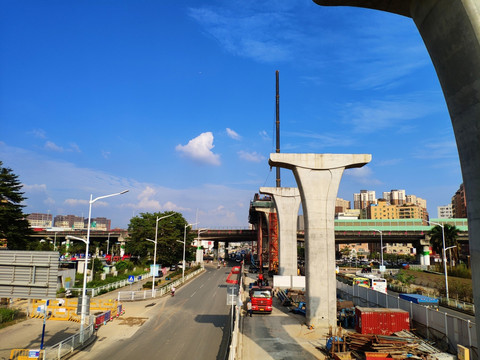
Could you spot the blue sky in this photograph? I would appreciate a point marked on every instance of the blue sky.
(175, 101)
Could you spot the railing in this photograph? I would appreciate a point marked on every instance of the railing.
(148, 294)
(113, 286)
(68, 345)
(433, 323)
(234, 328)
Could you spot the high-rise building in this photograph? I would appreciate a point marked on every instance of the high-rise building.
(341, 205)
(39, 220)
(445, 212)
(69, 221)
(364, 199)
(459, 204)
(99, 223)
(395, 197)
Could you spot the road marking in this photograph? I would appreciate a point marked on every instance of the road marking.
(193, 293)
(202, 285)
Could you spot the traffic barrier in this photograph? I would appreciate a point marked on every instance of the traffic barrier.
(66, 309)
(23, 354)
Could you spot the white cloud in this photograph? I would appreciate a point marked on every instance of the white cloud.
(105, 154)
(39, 133)
(75, 202)
(233, 134)
(252, 157)
(34, 187)
(200, 149)
(74, 147)
(363, 175)
(264, 135)
(49, 145)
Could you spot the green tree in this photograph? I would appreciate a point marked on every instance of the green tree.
(171, 229)
(451, 236)
(14, 227)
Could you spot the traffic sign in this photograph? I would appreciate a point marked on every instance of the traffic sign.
(131, 278)
(139, 277)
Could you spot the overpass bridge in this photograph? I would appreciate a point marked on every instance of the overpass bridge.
(346, 231)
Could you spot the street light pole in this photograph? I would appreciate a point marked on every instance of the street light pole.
(155, 251)
(381, 245)
(84, 295)
(444, 256)
(108, 242)
(184, 242)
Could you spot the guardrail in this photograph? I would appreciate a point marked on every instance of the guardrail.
(235, 320)
(68, 346)
(148, 294)
(453, 330)
(113, 286)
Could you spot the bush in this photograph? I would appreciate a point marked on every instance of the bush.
(7, 315)
(460, 271)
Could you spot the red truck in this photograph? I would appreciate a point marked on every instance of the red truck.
(261, 297)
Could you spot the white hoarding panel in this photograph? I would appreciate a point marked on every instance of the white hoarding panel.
(28, 274)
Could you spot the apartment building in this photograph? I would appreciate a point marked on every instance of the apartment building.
(381, 210)
(39, 220)
(395, 197)
(445, 212)
(363, 199)
(69, 221)
(341, 205)
(459, 203)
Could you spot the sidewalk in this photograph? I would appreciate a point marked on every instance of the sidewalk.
(279, 335)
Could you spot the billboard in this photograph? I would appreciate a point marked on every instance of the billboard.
(28, 274)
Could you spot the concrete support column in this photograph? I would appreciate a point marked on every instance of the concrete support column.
(318, 177)
(451, 32)
(287, 202)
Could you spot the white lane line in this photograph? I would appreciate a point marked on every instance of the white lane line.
(193, 293)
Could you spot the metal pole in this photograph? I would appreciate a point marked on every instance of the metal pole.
(381, 245)
(445, 262)
(108, 242)
(155, 258)
(184, 241)
(277, 122)
(84, 297)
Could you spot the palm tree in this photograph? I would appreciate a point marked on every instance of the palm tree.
(451, 235)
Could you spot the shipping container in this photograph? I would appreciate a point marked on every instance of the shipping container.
(380, 321)
(420, 299)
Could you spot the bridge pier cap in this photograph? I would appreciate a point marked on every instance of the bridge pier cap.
(319, 161)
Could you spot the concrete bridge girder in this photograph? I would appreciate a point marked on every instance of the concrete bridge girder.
(287, 203)
(450, 30)
(318, 177)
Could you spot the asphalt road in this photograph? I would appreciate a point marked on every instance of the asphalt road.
(189, 325)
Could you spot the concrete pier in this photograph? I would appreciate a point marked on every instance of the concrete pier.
(451, 32)
(318, 177)
(287, 202)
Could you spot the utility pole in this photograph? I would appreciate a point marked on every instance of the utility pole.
(277, 123)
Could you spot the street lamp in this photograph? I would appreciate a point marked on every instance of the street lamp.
(108, 242)
(84, 296)
(444, 255)
(381, 247)
(154, 267)
(155, 252)
(184, 242)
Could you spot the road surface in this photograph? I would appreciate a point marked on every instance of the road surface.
(188, 326)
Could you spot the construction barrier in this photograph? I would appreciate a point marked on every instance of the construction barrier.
(66, 309)
(24, 354)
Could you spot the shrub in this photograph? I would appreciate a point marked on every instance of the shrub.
(7, 315)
